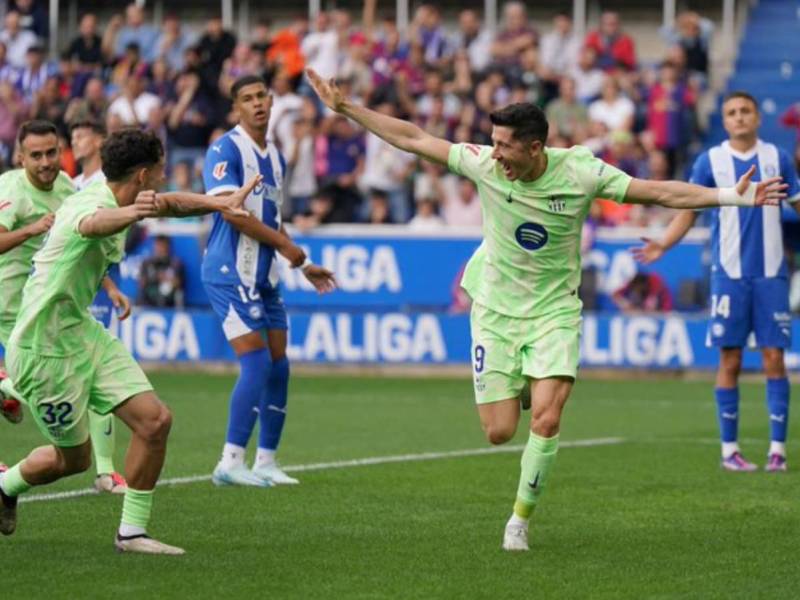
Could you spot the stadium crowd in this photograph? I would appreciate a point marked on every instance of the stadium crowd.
(176, 82)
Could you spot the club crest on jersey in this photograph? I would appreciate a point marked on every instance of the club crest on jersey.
(557, 204)
(220, 169)
(770, 171)
(531, 236)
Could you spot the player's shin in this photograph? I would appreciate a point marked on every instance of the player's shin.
(538, 459)
(728, 416)
(778, 408)
(272, 411)
(254, 366)
(101, 431)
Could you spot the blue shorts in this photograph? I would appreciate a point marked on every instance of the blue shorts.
(757, 306)
(244, 310)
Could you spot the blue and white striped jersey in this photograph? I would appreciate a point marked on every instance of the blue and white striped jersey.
(746, 242)
(232, 257)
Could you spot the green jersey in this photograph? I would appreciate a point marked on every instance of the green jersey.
(20, 205)
(529, 263)
(67, 272)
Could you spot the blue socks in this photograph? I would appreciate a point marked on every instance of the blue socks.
(272, 406)
(728, 413)
(255, 369)
(778, 408)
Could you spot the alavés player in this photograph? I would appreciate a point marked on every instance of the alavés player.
(64, 362)
(240, 275)
(749, 278)
(523, 279)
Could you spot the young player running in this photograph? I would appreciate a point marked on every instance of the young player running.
(523, 279)
(64, 362)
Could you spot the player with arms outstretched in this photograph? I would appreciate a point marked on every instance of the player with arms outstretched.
(749, 278)
(523, 279)
(240, 275)
(64, 362)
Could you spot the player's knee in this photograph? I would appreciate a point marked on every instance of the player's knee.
(156, 429)
(547, 425)
(498, 434)
(731, 364)
(774, 365)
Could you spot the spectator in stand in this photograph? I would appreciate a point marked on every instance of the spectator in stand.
(791, 118)
(134, 31)
(13, 112)
(284, 52)
(427, 31)
(388, 169)
(36, 72)
(17, 40)
(129, 64)
(261, 37)
(426, 218)
(92, 106)
(342, 150)
(692, 33)
(172, 43)
(49, 105)
(462, 208)
(321, 47)
(516, 36)
(183, 179)
(435, 90)
(613, 109)
(473, 40)
(559, 50)
(588, 78)
(86, 48)
(320, 211)
(161, 277)
(567, 116)
(286, 105)
(215, 46)
(32, 16)
(8, 72)
(614, 48)
(670, 114)
(301, 182)
(646, 292)
(378, 209)
(134, 106)
(188, 122)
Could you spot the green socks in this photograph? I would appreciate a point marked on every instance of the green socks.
(101, 430)
(136, 511)
(537, 462)
(12, 482)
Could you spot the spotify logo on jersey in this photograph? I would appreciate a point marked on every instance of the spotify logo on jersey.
(531, 236)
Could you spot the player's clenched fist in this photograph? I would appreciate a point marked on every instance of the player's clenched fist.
(146, 204)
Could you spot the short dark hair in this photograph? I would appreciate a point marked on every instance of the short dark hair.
(96, 126)
(35, 127)
(740, 94)
(129, 149)
(246, 80)
(525, 118)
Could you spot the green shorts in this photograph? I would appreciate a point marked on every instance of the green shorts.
(60, 390)
(506, 351)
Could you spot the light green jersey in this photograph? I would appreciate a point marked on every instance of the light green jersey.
(67, 272)
(529, 264)
(20, 205)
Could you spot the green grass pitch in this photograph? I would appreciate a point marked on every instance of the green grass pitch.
(652, 516)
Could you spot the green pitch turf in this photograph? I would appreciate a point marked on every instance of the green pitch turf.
(649, 517)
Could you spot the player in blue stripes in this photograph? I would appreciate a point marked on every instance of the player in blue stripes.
(749, 278)
(240, 275)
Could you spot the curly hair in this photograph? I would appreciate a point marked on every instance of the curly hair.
(127, 150)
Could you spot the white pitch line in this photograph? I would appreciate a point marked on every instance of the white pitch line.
(346, 464)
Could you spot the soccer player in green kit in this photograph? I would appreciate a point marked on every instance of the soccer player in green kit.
(524, 277)
(63, 361)
(29, 197)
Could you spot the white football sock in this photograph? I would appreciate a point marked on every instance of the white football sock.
(232, 456)
(264, 457)
(728, 448)
(517, 520)
(777, 448)
(126, 530)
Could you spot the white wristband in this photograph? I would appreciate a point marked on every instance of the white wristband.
(728, 196)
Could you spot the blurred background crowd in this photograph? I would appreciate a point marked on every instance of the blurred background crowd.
(445, 76)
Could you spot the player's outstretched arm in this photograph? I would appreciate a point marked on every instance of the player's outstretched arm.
(186, 204)
(677, 194)
(108, 221)
(11, 239)
(678, 227)
(398, 133)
